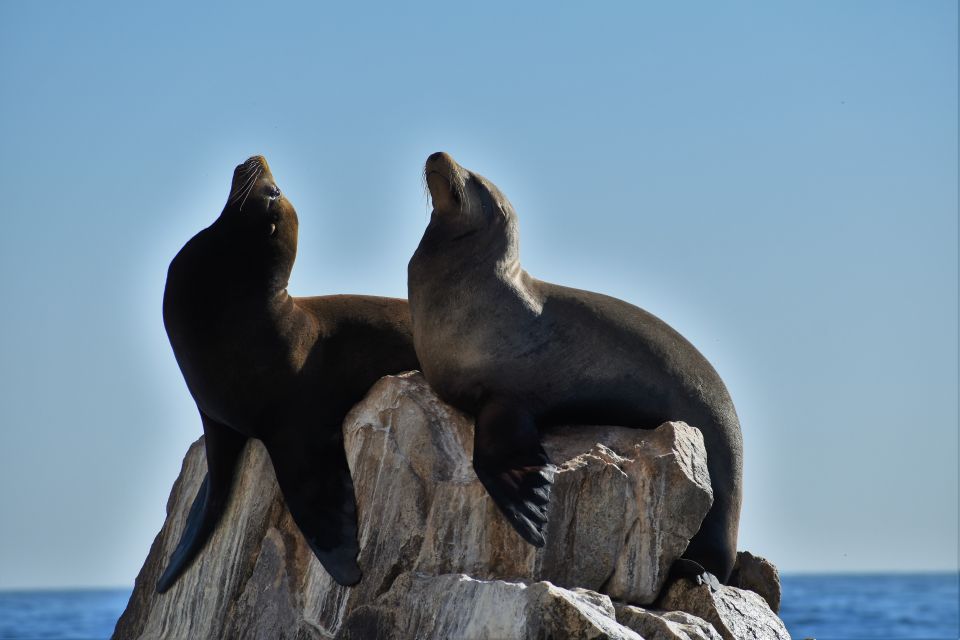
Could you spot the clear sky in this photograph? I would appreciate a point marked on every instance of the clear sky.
(777, 181)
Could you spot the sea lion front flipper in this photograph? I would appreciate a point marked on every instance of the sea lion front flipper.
(312, 471)
(511, 463)
(223, 448)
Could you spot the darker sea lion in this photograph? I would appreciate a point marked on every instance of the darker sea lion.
(520, 354)
(262, 364)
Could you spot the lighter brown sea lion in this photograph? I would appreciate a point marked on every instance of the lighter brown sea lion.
(520, 354)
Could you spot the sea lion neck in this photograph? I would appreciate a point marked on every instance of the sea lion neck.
(227, 266)
(262, 268)
(448, 244)
(450, 255)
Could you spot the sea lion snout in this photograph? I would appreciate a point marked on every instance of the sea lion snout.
(255, 162)
(254, 165)
(253, 177)
(440, 161)
(444, 180)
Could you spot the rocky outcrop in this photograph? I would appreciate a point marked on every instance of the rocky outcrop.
(438, 558)
(623, 507)
(665, 625)
(497, 609)
(758, 575)
(734, 613)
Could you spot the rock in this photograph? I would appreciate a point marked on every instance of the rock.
(198, 605)
(665, 625)
(624, 506)
(758, 575)
(735, 613)
(462, 607)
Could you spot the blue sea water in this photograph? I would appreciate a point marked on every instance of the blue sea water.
(855, 607)
(825, 607)
(83, 614)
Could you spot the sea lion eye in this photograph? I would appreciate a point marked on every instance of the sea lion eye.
(273, 192)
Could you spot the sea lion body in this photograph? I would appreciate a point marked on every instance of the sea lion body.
(522, 354)
(263, 364)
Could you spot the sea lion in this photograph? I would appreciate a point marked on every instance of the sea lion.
(520, 354)
(262, 364)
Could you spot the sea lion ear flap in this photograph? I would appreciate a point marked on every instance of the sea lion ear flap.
(495, 207)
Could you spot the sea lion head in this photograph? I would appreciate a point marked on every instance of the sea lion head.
(465, 204)
(260, 220)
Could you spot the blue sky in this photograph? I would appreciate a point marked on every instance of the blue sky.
(777, 182)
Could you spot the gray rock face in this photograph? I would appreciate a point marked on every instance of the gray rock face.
(624, 505)
(735, 613)
(758, 575)
(200, 605)
(438, 558)
(665, 625)
(462, 607)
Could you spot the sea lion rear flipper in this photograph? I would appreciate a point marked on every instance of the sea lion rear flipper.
(223, 447)
(314, 477)
(511, 463)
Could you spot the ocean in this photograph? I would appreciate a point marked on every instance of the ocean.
(825, 607)
(854, 607)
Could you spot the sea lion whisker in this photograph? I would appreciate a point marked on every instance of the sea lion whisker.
(427, 196)
(458, 186)
(237, 193)
(243, 174)
(248, 182)
(251, 188)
